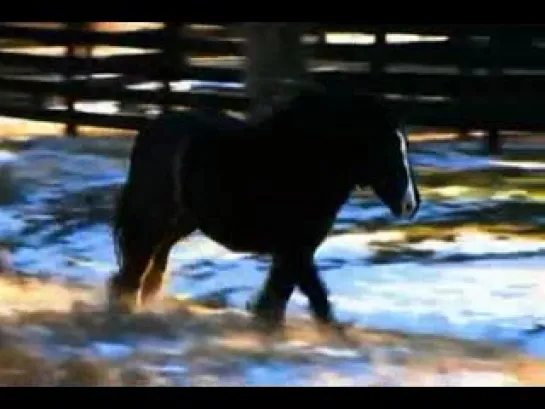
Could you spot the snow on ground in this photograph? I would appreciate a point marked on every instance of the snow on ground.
(474, 285)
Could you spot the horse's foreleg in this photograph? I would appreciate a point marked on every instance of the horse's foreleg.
(315, 290)
(270, 306)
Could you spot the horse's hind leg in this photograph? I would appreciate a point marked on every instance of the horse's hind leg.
(152, 281)
(138, 233)
(125, 286)
(310, 284)
(144, 254)
(154, 278)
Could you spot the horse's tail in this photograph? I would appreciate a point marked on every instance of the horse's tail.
(121, 218)
(149, 182)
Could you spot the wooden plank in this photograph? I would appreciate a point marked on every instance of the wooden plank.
(522, 117)
(132, 64)
(139, 64)
(117, 81)
(528, 30)
(201, 46)
(440, 115)
(455, 86)
(82, 91)
(213, 74)
(145, 65)
(216, 30)
(130, 122)
(395, 83)
(154, 38)
(526, 116)
(150, 38)
(477, 87)
(433, 54)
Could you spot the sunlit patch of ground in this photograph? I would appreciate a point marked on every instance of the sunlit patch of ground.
(58, 334)
(449, 231)
(21, 128)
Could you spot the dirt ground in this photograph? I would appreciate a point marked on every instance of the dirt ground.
(37, 315)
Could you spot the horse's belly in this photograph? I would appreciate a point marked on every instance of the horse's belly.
(244, 232)
(266, 226)
(240, 243)
(253, 209)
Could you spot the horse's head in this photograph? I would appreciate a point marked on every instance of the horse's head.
(381, 157)
(363, 138)
(390, 173)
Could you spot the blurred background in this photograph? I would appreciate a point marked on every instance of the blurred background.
(454, 297)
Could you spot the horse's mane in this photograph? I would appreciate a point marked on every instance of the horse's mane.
(345, 99)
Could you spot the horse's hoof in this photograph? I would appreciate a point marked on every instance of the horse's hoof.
(151, 290)
(266, 318)
(536, 329)
(269, 331)
(120, 299)
(250, 307)
(263, 321)
(149, 299)
(122, 306)
(335, 329)
(123, 302)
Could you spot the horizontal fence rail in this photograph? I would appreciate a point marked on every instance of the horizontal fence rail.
(487, 77)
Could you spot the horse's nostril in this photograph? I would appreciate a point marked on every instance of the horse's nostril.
(408, 209)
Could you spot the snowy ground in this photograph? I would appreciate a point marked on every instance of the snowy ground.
(436, 276)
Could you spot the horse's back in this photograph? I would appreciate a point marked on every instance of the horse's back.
(184, 123)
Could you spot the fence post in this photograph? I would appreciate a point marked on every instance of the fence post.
(463, 41)
(171, 60)
(74, 51)
(71, 54)
(378, 63)
(493, 140)
(275, 60)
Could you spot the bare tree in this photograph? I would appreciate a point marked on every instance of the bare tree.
(276, 59)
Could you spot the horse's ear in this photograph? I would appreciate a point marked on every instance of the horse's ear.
(406, 129)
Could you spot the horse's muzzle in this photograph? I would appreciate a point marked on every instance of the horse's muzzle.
(408, 206)
(408, 210)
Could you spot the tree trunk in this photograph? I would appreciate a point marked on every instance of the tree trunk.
(276, 60)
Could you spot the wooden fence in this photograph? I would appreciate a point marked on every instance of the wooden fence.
(476, 77)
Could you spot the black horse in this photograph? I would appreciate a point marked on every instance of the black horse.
(273, 187)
